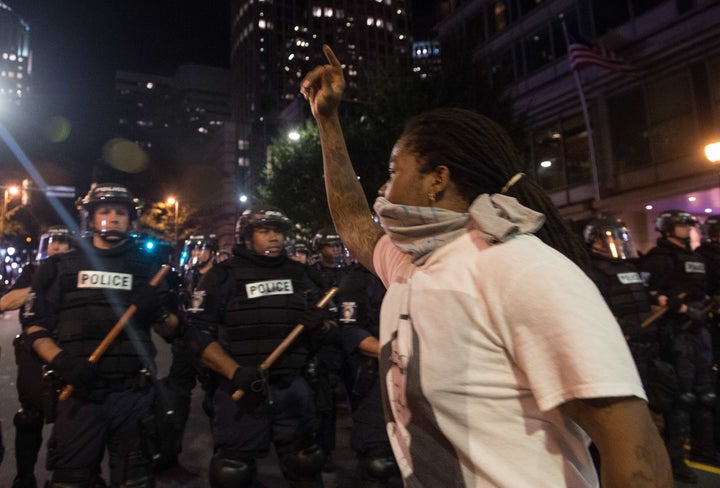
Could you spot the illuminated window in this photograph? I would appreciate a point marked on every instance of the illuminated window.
(328, 12)
(317, 12)
(262, 24)
(370, 21)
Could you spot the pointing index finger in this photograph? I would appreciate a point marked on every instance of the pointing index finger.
(331, 56)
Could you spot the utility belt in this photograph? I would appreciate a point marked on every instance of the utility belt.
(53, 385)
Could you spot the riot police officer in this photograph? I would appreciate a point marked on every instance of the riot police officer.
(677, 272)
(327, 269)
(710, 250)
(358, 304)
(173, 404)
(251, 302)
(197, 258)
(79, 296)
(29, 420)
(616, 275)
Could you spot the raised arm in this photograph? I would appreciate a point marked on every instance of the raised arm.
(323, 87)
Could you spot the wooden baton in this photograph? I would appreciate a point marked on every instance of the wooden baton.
(116, 329)
(289, 339)
(659, 313)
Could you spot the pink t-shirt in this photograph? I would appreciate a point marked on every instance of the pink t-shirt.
(478, 347)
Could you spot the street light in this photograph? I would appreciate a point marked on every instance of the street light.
(712, 152)
(174, 201)
(9, 191)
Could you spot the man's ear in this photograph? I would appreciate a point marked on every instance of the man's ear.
(441, 178)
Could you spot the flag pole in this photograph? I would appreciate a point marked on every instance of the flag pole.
(586, 116)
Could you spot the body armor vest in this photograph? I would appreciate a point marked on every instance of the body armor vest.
(625, 294)
(711, 252)
(95, 293)
(688, 274)
(266, 304)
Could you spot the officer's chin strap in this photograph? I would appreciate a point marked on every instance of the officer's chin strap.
(116, 235)
(262, 385)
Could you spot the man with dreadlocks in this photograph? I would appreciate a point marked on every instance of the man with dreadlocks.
(489, 335)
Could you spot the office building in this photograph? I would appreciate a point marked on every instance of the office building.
(649, 118)
(273, 45)
(183, 124)
(15, 58)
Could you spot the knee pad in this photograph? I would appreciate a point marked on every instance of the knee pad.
(227, 470)
(378, 467)
(707, 399)
(141, 482)
(28, 418)
(303, 463)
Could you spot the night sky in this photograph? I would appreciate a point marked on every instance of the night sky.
(79, 44)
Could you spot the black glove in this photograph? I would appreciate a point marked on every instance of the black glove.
(695, 314)
(313, 318)
(147, 300)
(75, 371)
(674, 304)
(248, 380)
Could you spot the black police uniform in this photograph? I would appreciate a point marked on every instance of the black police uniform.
(359, 301)
(672, 271)
(79, 298)
(625, 292)
(29, 420)
(252, 303)
(330, 362)
(172, 407)
(711, 252)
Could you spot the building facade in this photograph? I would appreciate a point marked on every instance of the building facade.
(647, 128)
(274, 43)
(15, 58)
(182, 123)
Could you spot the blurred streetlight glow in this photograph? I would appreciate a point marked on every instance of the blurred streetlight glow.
(294, 135)
(174, 201)
(712, 152)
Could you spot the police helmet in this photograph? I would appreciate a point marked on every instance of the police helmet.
(198, 242)
(56, 233)
(260, 217)
(110, 193)
(666, 221)
(324, 237)
(711, 228)
(300, 247)
(614, 236)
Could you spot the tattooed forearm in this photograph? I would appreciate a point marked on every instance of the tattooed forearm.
(348, 206)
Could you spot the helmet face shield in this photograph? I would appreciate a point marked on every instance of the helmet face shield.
(252, 219)
(618, 243)
(102, 196)
(56, 240)
(198, 250)
(609, 236)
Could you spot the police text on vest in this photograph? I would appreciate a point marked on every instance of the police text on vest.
(104, 279)
(267, 288)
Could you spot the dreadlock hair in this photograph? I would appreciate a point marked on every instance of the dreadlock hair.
(482, 158)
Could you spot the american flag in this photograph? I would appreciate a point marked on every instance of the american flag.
(583, 53)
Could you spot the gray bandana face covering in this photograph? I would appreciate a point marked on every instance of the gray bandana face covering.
(420, 230)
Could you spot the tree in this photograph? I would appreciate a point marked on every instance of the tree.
(293, 179)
